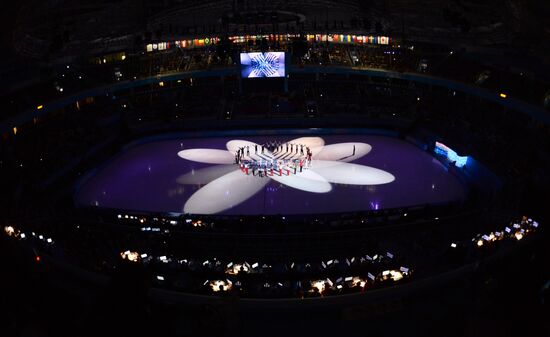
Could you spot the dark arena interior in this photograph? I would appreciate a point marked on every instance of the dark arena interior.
(275, 168)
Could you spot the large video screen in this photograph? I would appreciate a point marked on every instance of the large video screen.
(257, 65)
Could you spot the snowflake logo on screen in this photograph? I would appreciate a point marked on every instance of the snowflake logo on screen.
(258, 65)
(223, 185)
(264, 65)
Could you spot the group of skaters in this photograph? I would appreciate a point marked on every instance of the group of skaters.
(274, 148)
(280, 165)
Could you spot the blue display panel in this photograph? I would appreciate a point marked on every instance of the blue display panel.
(450, 155)
(257, 65)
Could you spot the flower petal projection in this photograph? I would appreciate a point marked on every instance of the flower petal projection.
(205, 175)
(330, 164)
(351, 174)
(224, 193)
(307, 180)
(342, 152)
(208, 156)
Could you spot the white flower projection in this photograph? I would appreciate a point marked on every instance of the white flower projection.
(226, 186)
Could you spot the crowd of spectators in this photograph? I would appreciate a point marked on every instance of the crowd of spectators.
(457, 65)
(100, 249)
(272, 224)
